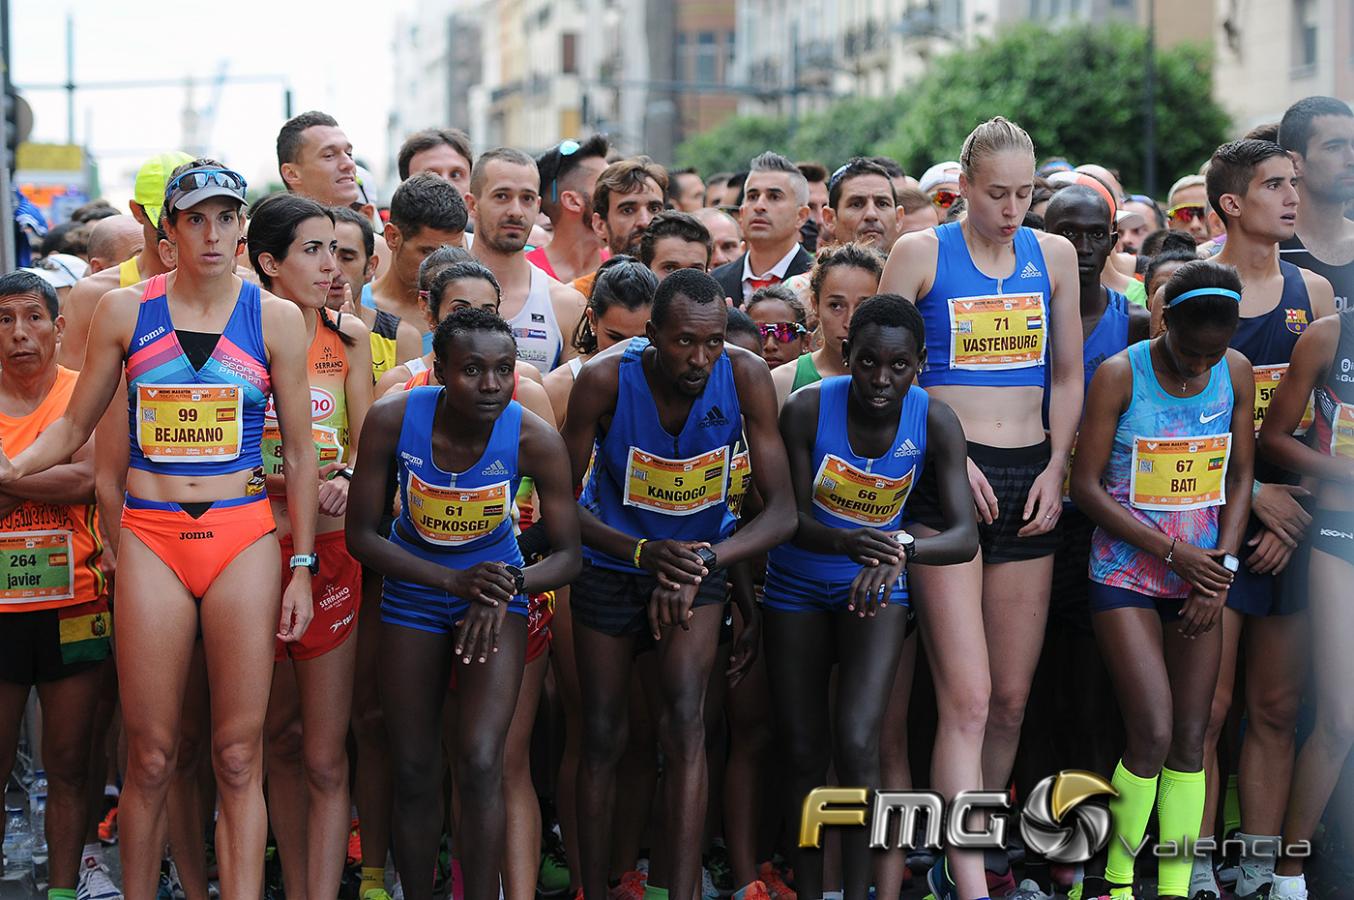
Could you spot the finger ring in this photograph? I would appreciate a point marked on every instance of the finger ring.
(1049, 516)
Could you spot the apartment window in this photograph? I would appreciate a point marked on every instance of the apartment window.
(568, 53)
(1304, 37)
(707, 58)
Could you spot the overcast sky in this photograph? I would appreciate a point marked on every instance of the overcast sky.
(334, 55)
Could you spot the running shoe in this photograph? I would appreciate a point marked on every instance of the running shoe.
(376, 894)
(938, 880)
(631, 886)
(96, 883)
(553, 878)
(1001, 884)
(721, 872)
(164, 890)
(1204, 894)
(1029, 890)
(1093, 887)
(108, 827)
(776, 884)
(708, 889)
(354, 844)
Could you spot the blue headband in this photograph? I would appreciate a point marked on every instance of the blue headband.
(1207, 292)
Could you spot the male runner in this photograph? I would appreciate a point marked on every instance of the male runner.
(1252, 185)
(393, 340)
(862, 205)
(315, 159)
(629, 194)
(426, 212)
(1187, 209)
(815, 232)
(726, 237)
(441, 151)
(775, 205)
(147, 198)
(569, 173)
(114, 240)
(55, 629)
(686, 190)
(675, 240)
(1319, 134)
(658, 535)
(505, 195)
(916, 212)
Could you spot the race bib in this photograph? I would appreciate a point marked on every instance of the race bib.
(326, 441)
(740, 481)
(998, 332)
(1176, 474)
(676, 487)
(858, 496)
(189, 423)
(1342, 431)
(1267, 380)
(36, 566)
(450, 517)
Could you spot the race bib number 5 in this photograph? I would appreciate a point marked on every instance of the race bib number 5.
(189, 423)
(1177, 474)
(36, 566)
(998, 332)
(676, 487)
(857, 496)
(450, 517)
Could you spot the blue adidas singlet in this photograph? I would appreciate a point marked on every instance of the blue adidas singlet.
(1168, 468)
(1108, 337)
(849, 491)
(987, 332)
(455, 519)
(197, 422)
(651, 484)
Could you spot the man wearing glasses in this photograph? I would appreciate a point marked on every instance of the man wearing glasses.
(941, 184)
(569, 172)
(1187, 210)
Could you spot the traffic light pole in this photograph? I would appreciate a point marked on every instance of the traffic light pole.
(7, 257)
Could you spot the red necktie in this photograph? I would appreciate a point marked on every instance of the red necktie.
(759, 283)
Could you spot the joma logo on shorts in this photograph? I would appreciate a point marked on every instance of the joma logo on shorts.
(196, 535)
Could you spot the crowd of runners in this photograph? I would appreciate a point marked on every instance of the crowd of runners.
(556, 524)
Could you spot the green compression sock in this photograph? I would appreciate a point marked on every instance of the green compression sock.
(61, 894)
(1231, 808)
(655, 893)
(1180, 809)
(1131, 811)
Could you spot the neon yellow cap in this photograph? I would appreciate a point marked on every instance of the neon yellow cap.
(151, 179)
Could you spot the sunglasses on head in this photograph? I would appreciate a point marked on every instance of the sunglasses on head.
(1186, 212)
(194, 179)
(944, 199)
(566, 148)
(783, 332)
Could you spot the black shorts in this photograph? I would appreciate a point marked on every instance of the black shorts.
(1010, 471)
(52, 644)
(1332, 532)
(617, 603)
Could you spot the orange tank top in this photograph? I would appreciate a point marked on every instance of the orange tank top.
(49, 553)
(327, 372)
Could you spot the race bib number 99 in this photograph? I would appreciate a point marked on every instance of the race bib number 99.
(1177, 474)
(676, 487)
(36, 566)
(450, 517)
(849, 493)
(188, 423)
(998, 332)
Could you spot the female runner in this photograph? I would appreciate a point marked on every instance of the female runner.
(838, 593)
(202, 350)
(1323, 361)
(291, 247)
(452, 570)
(1163, 467)
(1000, 303)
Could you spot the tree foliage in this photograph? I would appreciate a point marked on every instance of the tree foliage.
(1078, 91)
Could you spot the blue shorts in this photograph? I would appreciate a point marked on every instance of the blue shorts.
(428, 609)
(800, 594)
(1106, 597)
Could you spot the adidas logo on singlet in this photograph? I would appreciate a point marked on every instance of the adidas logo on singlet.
(1031, 271)
(906, 448)
(495, 468)
(714, 418)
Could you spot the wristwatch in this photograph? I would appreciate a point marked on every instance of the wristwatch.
(346, 472)
(909, 545)
(1231, 563)
(310, 560)
(519, 578)
(707, 557)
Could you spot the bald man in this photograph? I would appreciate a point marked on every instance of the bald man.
(114, 240)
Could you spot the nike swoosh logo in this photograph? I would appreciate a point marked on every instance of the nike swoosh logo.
(1204, 420)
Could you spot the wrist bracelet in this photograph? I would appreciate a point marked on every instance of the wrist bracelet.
(639, 545)
(1170, 554)
(1255, 489)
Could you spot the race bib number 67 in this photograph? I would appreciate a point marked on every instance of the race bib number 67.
(1176, 474)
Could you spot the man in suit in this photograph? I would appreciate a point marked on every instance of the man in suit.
(775, 205)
